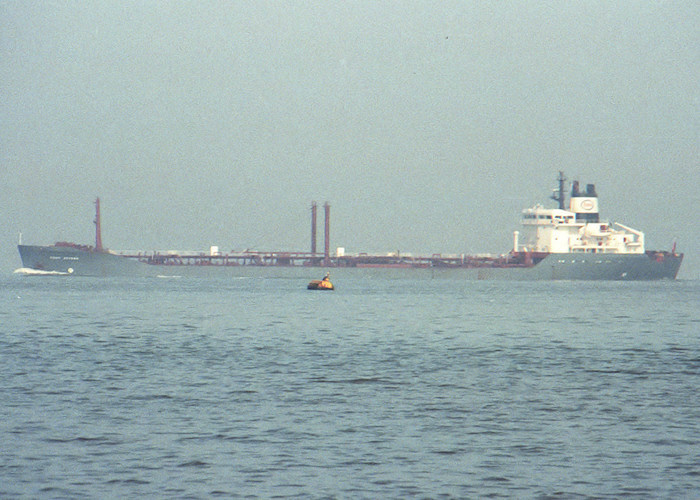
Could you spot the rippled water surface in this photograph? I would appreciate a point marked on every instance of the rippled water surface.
(389, 387)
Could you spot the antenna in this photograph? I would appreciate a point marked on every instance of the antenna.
(559, 192)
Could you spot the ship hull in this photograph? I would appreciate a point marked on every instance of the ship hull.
(566, 266)
(577, 266)
(79, 262)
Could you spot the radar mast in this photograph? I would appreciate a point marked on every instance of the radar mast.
(559, 195)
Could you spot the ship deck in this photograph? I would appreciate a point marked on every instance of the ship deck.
(308, 259)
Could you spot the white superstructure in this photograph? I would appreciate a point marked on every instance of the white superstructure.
(575, 230)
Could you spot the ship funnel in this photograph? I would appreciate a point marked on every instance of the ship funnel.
(584, 203)
(574, 189)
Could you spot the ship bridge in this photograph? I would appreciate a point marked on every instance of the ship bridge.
(578, 229)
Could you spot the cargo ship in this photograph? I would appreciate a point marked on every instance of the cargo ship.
(564, 243)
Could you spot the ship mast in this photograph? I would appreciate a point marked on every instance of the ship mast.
(98, 228)
(558, 195)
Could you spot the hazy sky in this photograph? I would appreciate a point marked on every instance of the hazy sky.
(428, 126)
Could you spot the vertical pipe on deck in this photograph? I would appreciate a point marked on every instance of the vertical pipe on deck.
(327, 235)
(313, 227)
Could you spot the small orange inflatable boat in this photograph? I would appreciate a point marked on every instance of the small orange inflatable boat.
(324, 284)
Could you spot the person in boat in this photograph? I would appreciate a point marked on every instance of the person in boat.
(322, 284)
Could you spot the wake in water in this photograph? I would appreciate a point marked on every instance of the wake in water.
(27, 271)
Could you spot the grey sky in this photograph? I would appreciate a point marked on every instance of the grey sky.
(428, 126)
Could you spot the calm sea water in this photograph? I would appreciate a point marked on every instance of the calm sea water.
(385, 388)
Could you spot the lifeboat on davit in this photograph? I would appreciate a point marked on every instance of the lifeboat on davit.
(323, 284)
